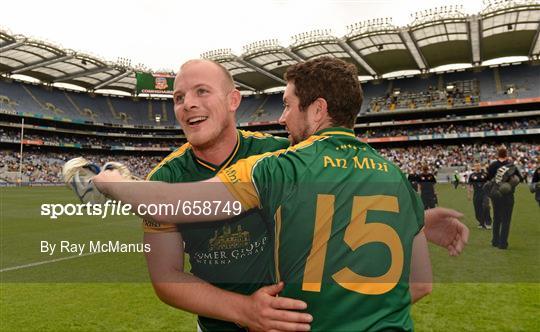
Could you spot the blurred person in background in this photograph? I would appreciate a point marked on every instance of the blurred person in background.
(505, 177)
(427, 183)
(476, 182)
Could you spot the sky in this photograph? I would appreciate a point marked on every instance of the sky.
(162, 34)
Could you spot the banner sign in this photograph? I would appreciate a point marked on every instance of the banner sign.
(155, 83)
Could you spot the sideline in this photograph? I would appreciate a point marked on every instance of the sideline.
(46, 262)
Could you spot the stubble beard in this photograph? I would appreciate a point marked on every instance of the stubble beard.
(302, 136)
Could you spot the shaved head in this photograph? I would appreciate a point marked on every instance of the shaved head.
(227, 80)
(205, 103)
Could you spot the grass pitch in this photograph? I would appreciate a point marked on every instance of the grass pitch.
(485, 289)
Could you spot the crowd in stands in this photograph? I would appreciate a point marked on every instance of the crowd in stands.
(525, 156)
(10, 134)
(46, 166)
(454, 94)
(450, 128)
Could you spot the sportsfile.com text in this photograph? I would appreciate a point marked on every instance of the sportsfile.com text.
(117, 208)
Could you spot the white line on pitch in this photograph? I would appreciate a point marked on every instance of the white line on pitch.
(45, 262)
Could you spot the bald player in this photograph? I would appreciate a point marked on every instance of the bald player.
(226, 259)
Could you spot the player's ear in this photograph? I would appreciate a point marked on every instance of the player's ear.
(321, 110)
(234, 100)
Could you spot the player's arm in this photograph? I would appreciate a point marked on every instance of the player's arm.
(261, 311)
(145, 193)
(420, 278)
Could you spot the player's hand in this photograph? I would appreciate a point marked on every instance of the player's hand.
(444, 228)
(106, 178)
(266, 312)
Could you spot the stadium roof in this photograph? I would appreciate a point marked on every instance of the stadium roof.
(53, 64)
(435, 37)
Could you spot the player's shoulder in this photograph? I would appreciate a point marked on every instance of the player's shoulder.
(268, 141)
(253, 134)
(176, 158)
(311, 143)
(281, 155)
(256, 135)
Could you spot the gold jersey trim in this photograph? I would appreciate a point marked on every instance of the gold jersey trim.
(175, 154)
(277, 224)
(328, 133)
(254, 134)
(226, 162)
(199, 161)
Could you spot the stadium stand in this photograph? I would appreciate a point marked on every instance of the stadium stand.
(97, 142)
(156, 139)
(451, 128)
(74, 113)
(41, 100)
(445, 118)
(457, 89)
(40, 166)
(520, 81)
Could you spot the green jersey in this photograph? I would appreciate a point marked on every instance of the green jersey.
(345, 219)
(236, 255)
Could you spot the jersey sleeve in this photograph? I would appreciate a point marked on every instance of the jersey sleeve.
(264, 142)
(162, 174)
(257, 182)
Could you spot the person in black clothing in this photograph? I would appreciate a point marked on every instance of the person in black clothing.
(476, 182)
(503, 203)
(535, 185)
(427, 188)
(413, 178)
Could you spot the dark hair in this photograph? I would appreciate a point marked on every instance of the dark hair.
(502, 152)
(332, 79)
